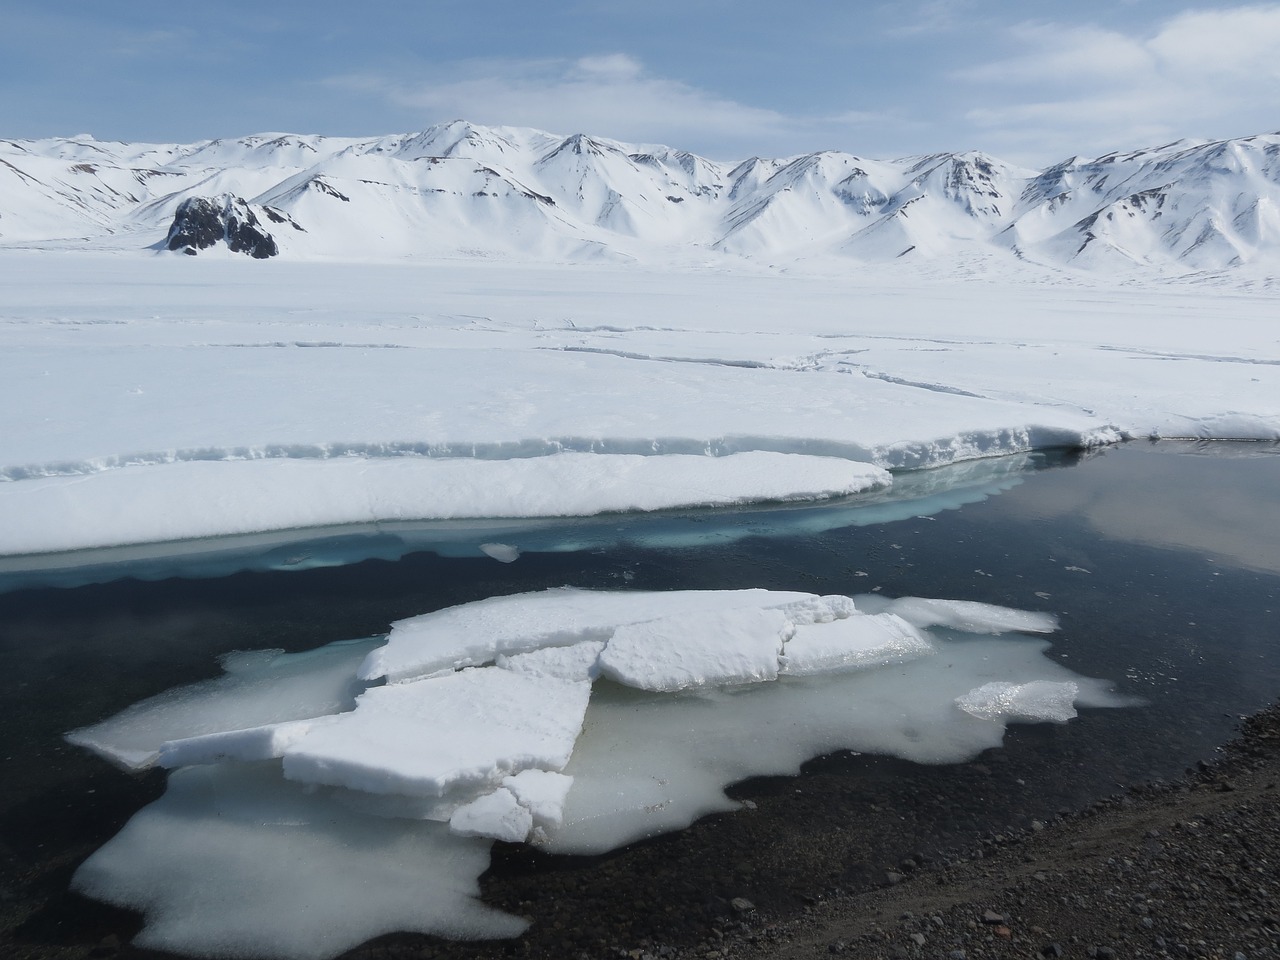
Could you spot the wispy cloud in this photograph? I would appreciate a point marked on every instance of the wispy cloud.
(1087, 89)
(610, 94)
(930, 16)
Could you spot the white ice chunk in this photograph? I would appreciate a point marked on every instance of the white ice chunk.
(854, 643)
(698, 649)
(819, 609)
(477, 633)
(965, 615)
(578, 662)
(543, 792)
(502, 552)
(1037, 701)
(462, 730)
(234, 862)
(260, 687)
(497, 815)
(256, 743)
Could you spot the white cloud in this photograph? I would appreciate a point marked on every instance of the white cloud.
(930, 16)
(611, 95)
(1211, 73)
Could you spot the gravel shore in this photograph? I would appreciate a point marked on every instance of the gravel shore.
(1188, 869)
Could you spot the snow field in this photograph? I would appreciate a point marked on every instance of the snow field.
(147, 401)
(576, 720)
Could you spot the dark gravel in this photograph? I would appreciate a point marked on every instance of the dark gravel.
(1189, 869)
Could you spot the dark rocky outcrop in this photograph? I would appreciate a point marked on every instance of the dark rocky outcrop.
(203, 222)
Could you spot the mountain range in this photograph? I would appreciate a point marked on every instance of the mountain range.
(462, 189)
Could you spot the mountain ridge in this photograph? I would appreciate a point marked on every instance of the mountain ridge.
(458, 187)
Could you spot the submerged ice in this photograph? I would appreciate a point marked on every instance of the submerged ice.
(575, 720)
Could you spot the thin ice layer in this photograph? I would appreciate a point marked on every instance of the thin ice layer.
(853, 643)
(477, 633)
(648, 763)
(967, 616)
(699, 649)
(260, 687)
(462, 730)
(233, 861)
(1038, 701)
(254, 743)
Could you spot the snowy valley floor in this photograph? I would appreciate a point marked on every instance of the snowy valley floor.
(159, 397)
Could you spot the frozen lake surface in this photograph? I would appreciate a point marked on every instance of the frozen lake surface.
(1159, 561)
(391, 561)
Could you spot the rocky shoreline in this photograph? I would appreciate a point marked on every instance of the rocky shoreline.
(1185, 869)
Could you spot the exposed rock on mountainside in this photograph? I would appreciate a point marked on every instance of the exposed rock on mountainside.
(458, 188)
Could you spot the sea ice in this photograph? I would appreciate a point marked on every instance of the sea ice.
(698, 649)
(968, 616)
(853, 643)
(430, 737)
(497, 815)
(581, 661)
(502, 552)
(259, 688)
(578, 721)
(476, 633)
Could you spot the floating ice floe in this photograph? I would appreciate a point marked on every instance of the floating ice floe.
(575, 720)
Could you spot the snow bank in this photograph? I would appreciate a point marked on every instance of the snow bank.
(579, 721)
(154, 503)
(312, 395)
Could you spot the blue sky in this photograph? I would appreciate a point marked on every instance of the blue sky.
(1031, 82)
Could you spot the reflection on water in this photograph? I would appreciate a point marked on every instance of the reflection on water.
(1161, 562)
(1190, 506)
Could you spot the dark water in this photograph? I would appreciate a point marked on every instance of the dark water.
(1162, 561)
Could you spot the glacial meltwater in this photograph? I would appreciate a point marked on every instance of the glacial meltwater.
(1160, 561)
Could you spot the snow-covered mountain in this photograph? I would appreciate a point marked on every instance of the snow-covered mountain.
(461, 189)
